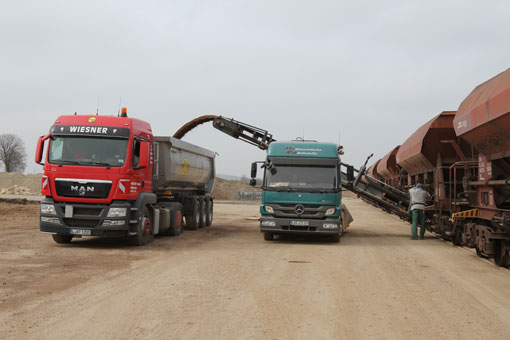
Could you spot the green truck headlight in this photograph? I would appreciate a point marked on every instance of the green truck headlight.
(330, 211)
(330, 226)
(268, 209)
(117, 212)
(48, 209)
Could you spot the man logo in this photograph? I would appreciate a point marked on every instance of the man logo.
(92, 119)
(81, 190)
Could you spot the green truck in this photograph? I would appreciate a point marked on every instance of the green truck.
(302, 190)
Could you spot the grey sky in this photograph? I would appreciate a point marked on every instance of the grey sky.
(369, 71)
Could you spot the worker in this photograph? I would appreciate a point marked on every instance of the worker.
(416, 206)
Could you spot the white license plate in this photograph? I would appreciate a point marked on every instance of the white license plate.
(300, 223)
(84, 232)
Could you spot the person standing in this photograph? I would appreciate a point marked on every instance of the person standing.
(416, 206)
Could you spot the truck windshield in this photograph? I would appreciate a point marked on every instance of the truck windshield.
(109, 152)
(292, 177)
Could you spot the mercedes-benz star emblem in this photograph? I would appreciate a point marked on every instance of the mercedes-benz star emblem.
(299, 209)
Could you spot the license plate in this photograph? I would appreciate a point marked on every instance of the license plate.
(300, 223)
(84, 232)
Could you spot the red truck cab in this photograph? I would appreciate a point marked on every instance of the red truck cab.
(97, 177)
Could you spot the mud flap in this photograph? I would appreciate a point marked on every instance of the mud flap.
(346, 217)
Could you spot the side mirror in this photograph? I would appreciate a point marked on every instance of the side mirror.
(253, 182)
(350, 173)
(144, 155)
(253, 170)
(39, 150)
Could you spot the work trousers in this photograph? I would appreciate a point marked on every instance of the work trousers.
(418, 217)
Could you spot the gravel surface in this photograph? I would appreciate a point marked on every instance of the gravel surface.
(226, 282)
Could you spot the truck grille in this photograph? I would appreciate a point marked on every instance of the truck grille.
(76, 223)
(82, 188)
(291, 210)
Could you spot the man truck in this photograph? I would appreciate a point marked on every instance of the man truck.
(109, 176)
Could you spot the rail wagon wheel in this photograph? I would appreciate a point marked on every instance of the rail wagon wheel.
(457, 236)
(480, 247)
(502, 255)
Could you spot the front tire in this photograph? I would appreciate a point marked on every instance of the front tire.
(62, 238)
(268, 236)
(336, 238)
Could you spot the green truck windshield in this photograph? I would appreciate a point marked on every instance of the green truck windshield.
(293, 177)
(88, 151)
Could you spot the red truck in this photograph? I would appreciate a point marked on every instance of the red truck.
(109, 176)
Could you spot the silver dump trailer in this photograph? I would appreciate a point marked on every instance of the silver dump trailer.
(184, 175)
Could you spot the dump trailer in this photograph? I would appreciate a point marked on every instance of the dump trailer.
(109, 176)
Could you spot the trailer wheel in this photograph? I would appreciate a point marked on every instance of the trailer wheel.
(144, 230)
(203, 211)
(268, 236)
(62, 238)
(175, 221)
(209, 211)
(193, 220)
(502, 255)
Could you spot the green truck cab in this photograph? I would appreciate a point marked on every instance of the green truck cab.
(301, 190)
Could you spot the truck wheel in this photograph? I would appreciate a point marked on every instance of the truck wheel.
(209, 211)
(144, 230)
(336, 238)
(62, 238)
(193, 220)
(203, 212)
(175, 221)
(268, 236)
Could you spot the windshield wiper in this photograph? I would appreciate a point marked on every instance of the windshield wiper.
(61, 162)
(107, 165)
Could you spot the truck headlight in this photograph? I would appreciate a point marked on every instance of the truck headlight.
(53, 220)
(117, 212)
(268, 209)
(330, 226)
(113, 223)
(330, 211)
(48, 209)
(268, 223)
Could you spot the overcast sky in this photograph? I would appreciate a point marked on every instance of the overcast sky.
(366, 72)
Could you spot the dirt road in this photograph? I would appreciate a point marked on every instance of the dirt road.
(225, 282)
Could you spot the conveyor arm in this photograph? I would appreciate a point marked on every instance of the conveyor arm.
(245, 132)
